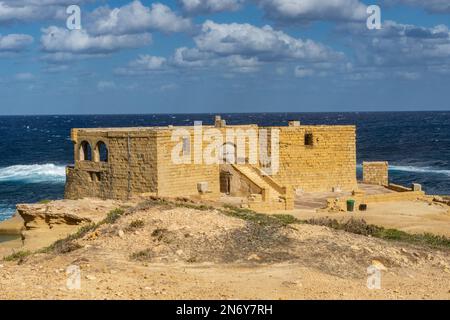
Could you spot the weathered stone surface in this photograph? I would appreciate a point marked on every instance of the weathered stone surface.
(46, 223)
(311, 158)
(376, 173)
(12, 226)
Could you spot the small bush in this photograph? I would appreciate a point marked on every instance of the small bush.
(359, 226)
(45, 201)
(67, 245)
(142, 255)
(286, 219)
(17, 256)
(259, 218)
(159, 233)
(113, 216)
(136, 224)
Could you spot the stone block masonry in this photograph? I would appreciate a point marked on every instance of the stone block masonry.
(119, 163)
(376, 173)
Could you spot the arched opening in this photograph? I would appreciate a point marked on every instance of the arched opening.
(101, 152)
(85, 151)
(228, 153)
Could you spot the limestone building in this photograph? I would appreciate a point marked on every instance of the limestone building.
(119, 163)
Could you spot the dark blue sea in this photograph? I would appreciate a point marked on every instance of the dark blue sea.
(35, 149)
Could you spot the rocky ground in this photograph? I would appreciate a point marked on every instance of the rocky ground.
(166, 251)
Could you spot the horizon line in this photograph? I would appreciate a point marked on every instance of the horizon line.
(212, 113)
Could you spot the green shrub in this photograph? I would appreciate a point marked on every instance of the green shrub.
(113, 216)
(136, 224)
(19, 255)
(142, 255)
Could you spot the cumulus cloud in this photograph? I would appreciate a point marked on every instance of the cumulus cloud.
(305, 11)
(400, 44)
(55, 39)
(210, 6)
(144, 64)
(265, 43)
(401, 51)
(110, 30)
(434, 6)
(34, 10)
(192, 57)
(15, 42)
(236, 47)
(136, 18)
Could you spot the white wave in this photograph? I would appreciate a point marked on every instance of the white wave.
(415, 169)
(419, 169)
(34, 173)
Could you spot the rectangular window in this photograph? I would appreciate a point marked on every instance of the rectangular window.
(186, 146)
(309, 139)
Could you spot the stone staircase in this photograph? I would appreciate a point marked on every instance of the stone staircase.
(272, 197)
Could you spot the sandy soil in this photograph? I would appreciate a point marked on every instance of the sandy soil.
(180, 253)
(409, 216)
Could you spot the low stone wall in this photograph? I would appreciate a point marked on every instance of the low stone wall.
(376, 173)
(340, 204)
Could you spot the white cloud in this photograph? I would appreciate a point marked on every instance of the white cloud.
(399, 51)
(244, 65)
(149, 62)
(434, 6)
(34, 10)
(56, 39)
(144, 64)
(15, 42)
(237, 48)
(265, 43)
(26, 76)
(136, 18)
(397, 45)
(191, 57)
(304, 11)
(210, 6)
(106, 85)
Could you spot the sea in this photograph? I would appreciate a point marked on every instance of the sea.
(34, 150)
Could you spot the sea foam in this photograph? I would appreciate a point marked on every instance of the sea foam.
(415, 169)
(419, 169)
(35, 173)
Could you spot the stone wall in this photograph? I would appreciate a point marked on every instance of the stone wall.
(139, 162)
(376, 173)
(130, 168)
(239, 185)
(183, 179)
(329, 162)
(311, 158)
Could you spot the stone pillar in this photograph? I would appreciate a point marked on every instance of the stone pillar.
(219, 122)
(376, 173)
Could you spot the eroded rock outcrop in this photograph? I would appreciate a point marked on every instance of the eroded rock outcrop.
(45, 223)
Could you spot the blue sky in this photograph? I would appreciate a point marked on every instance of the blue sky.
(223, 56)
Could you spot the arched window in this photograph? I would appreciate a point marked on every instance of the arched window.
(101, 152)
(85, 151)
(228, 153)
